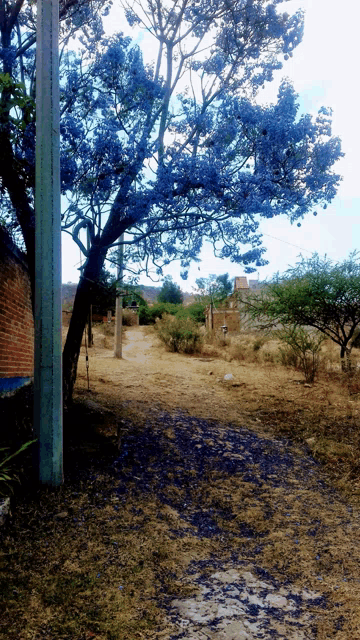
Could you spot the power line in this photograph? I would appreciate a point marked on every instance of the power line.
(264, 234)
(286, 242)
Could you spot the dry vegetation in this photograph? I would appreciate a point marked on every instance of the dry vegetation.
(101, 558)
(324, 415)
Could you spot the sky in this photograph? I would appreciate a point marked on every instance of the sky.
(324, 73)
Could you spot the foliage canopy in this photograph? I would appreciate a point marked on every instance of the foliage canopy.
(170, 292)
(316, 293)
(214, 288)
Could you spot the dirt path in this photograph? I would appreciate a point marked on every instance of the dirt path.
(295, 576)
(149, 376)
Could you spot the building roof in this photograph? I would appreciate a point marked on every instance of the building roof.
(255, 284)
(241, 283)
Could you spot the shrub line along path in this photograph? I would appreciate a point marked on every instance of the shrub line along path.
(205, 525)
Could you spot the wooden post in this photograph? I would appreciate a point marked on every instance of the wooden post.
(48, 343)
(90, 334)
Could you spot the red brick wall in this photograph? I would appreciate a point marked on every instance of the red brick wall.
(16, 318)
(230, 317)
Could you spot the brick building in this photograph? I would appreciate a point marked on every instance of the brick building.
(227, 314)
(16, 318)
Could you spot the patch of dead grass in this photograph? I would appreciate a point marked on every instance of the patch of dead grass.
(53, 590)
(96, 572)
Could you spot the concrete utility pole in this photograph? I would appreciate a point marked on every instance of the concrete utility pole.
(48, 345)
(119, 303)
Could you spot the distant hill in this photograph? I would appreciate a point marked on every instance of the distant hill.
(149, 293)
(68, 291)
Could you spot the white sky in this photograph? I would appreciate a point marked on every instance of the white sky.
(324, 71)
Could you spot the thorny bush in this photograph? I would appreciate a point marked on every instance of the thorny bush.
(304, 348)
(179, 334)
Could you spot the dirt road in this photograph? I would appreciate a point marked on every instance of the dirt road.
(149, 376)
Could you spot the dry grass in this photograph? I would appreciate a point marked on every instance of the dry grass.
(255, 347)
(245, 347)
(97, 580)
(61, 576)
(325, 415)
(301, 539)
(83, 562)
(86, 563)
(265, 393)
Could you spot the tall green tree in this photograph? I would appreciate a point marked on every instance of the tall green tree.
(170, 292)
(316, 293)
(103, 297)
(133, 294)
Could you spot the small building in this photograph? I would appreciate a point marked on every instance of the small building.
(227, 314)
(240, 283)
(255, 285)
(216, 318)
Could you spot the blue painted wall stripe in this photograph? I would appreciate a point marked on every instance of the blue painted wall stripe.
(10, 384)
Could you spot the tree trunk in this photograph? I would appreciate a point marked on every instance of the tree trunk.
(15, 186)
(345, 359)
(91, 274)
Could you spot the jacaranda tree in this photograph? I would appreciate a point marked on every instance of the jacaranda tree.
(179, 152)
(17, 104)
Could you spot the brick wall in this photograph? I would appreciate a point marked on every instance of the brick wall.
(16, 318)
(218, 318)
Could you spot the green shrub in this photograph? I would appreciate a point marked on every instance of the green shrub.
(7, 476)
(179, 334)
(144, 315)
(303, 347)
(148, 315)
(196, 311)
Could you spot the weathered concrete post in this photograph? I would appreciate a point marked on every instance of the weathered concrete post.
(48, 346)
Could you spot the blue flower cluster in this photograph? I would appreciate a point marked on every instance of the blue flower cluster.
(177, 169)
